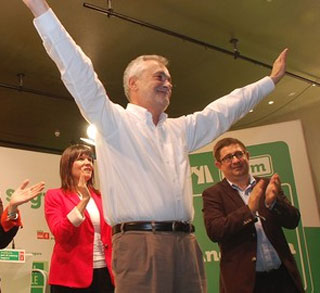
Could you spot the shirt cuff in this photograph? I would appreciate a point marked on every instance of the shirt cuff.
(46, 23)
(268, 85)
(75, 217)
(8, 224)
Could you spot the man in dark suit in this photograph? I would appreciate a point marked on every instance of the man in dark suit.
(245, 215)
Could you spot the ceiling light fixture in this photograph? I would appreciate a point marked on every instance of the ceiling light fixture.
(91, 132)
(236, 52)
(57, 133)
(88, 141)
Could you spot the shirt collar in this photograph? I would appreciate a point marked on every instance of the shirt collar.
(143, 113)
(252, 183)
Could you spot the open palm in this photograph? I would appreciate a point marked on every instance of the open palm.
(23, 194)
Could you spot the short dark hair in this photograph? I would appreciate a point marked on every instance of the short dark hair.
(223, 143)
(71, 154)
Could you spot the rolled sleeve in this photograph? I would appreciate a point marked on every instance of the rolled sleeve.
(75, 217)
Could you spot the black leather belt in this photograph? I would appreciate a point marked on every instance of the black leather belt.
(154, 226)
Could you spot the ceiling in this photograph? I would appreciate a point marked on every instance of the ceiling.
(37, 106)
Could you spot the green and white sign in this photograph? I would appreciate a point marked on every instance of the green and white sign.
(39, 277)
(13, 255)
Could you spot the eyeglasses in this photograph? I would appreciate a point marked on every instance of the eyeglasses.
(228, 158)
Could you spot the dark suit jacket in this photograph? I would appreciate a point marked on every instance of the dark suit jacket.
(6, 237)
(229, 222)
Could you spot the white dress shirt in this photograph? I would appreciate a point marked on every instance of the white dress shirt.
(144, 168)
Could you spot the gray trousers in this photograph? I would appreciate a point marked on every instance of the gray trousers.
(157, 262)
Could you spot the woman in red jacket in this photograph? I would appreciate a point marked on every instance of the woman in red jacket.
(81, 259)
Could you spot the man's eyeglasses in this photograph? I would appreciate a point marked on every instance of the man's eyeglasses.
(228, 158)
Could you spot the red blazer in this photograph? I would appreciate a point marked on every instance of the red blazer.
(229, 222)
(72, 257)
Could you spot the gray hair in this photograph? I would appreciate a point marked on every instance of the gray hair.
(135, 68)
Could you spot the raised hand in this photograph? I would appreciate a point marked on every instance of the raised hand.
(23, 194)
(82, 187)
(279, 67)
(273, 189)
(255, 196)
(37, 7)
(83, 191)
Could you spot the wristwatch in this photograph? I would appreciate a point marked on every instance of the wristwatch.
(13, 216)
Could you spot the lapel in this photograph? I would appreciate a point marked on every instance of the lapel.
(231, 193)
(74, 198)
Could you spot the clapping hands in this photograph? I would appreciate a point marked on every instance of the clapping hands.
(23, 194)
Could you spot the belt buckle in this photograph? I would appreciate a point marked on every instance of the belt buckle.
(173, 226)
(153, 226)
(122, 227)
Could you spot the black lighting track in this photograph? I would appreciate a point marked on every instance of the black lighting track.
(34, 91)
(235, 53)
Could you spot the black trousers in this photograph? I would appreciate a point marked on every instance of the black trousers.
(276, 281)
(101, 283)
